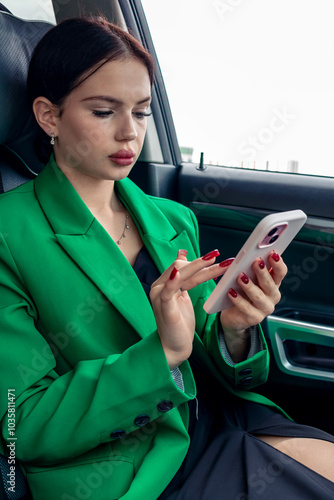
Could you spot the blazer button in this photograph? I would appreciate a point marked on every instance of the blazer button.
(164, 406)
(246, 371)
(142, 420)
(117, 434)
(245, 381)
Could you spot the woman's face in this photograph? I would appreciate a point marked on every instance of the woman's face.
(101, 129)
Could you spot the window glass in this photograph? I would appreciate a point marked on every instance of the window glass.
(250, 83)
(40, 10)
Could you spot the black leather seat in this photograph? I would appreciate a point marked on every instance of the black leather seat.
(18, 129)
(18, 161)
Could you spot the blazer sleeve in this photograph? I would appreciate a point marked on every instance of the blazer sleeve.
(60, 417)
(245, 375)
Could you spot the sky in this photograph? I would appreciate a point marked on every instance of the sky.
(250, 82)
(31, 9)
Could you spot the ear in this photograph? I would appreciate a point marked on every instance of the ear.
(46, 115)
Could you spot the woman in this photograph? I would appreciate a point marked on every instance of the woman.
(103, 380)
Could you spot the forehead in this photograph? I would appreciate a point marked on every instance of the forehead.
(126, 79)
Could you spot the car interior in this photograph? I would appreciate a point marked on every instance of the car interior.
(227, 202)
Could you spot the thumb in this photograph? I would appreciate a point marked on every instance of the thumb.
(182, 254)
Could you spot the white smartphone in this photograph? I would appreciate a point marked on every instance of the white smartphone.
(273, 232)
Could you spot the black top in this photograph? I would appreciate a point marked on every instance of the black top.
(146, 270)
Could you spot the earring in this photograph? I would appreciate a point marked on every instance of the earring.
(52, 141)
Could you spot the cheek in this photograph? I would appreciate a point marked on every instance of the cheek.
(71, 128)
(141, 131)
(89, 134)
(95, 135)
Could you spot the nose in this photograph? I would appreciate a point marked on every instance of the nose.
(126, 128)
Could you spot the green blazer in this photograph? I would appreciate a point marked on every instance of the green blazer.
(97, 412)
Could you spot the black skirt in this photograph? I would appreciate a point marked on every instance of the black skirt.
(226, 460)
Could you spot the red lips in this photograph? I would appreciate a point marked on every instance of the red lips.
(123, 153)
(123, 157)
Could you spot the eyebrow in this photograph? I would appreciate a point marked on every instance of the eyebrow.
(114, 100)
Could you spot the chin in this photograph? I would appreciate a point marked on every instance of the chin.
(119, 174)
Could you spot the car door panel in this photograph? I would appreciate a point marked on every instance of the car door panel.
(228, 204)
(227, 209)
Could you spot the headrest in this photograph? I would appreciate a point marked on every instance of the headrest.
(18, 128)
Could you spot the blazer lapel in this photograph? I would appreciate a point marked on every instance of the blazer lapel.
(90, 246)
(158, 234)
(92, 249)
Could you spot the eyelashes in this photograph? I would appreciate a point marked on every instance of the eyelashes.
(102, 114)
(140, 115)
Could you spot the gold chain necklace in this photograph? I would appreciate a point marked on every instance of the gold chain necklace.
(126, 226)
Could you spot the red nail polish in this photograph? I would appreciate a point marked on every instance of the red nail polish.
(262, 264)
(245, 278)
(275, 256)
(233, 293)
(211, 255)
(226, 262)
(173, 273)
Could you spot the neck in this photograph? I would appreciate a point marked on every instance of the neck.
(98, 194)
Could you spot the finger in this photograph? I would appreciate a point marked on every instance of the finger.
(192, 273)
(226, 262)
(182, 254)
(257, 296)
(269, 281)
(192, 267)
(278, 268)
(199, 270)
(265, 281)
(244, 314)
(178, 263)
(221, 268)
(214, 271)
(171, 286)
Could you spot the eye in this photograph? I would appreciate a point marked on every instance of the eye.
(141, 114)
(102, 114)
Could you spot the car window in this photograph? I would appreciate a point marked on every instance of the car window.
(250, 83)
(33, 9)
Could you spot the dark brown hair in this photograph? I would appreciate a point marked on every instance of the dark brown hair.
(71, 52)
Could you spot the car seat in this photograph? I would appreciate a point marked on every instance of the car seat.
(18, 160)
(18, 128)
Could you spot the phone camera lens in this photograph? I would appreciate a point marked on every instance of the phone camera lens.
(274, 238)
(273, 231)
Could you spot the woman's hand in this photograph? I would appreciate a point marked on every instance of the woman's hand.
(172, 306)
(259, 301)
